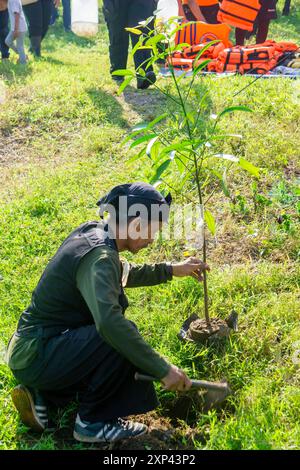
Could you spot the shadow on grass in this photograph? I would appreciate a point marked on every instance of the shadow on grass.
(57, 38)
(146, 103)
(152, 102)
(110, 106)
(11, 72)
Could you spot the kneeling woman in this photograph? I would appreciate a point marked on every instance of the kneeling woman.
(74, 340)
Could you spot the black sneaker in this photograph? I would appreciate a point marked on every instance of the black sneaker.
(107, 431)
(144, 82)
(31, 407)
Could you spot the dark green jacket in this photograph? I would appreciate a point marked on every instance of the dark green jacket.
(82, 285)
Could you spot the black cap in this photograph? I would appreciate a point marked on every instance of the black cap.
(135, 193)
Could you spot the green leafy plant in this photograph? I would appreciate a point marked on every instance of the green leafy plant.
(186, 137)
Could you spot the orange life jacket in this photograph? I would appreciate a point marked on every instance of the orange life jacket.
(200, 33)
(239, 13)
(245, 54)
(250, 67)
(285, 46)
(179, 63)
(191, 52)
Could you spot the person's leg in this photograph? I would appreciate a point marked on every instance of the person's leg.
(262, 30)
(240, 35)
(67, 14)
(4, 30)
(46, 16)
(81, 362)
(33, 13)
(54, 15)
(10, 42)
(140, 10)
(286, 8)
(115, 14)
(20, 48)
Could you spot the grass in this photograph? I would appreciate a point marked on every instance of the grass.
(61, 125)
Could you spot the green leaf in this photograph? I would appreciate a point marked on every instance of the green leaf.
(224, 184)
(157, 120)
(232, 109)
(137, 46)
(160, 170)
(123, 73)
(180, 165)
(125, 83)
(210, 221)
(158, 38)
(140, 126)
(150, 145)
(139, 141)
(134, 31)
(248, 166)
(201, 66)
(207, 46)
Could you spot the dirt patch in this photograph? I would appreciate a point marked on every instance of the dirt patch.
(163, 434)
(140, 105)
(200, 331)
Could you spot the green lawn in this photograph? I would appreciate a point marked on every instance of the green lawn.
(61, 124)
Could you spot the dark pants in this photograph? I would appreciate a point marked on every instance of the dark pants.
(120, 14)
(262, 23)
(261, 33)
(38, 16)
(210, 13)
(80, 363)
(4, 30)
(66, 14)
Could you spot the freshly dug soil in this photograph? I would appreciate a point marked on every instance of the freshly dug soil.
(199, 331)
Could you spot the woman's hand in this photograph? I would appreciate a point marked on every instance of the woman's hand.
(176, 380)
(190, 267)
(56, 3)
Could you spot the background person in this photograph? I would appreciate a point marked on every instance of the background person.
(4, 29)
(201, 10)
(267, 13)
(38, 14)
(74, 337)
(18, 28)
(66, 4)
(120, 14)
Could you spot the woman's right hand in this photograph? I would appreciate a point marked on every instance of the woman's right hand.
(176, 380)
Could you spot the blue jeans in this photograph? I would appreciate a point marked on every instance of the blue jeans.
(17, 45)
(66, 14)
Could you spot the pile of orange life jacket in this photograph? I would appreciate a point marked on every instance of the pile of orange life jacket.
(185, 59)
(258, 58)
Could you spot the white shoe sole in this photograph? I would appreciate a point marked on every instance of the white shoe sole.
(91, 440)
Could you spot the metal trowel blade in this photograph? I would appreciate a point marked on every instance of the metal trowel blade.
(185, 326)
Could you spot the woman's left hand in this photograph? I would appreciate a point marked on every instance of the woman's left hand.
(190, 267)
(56, 3)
